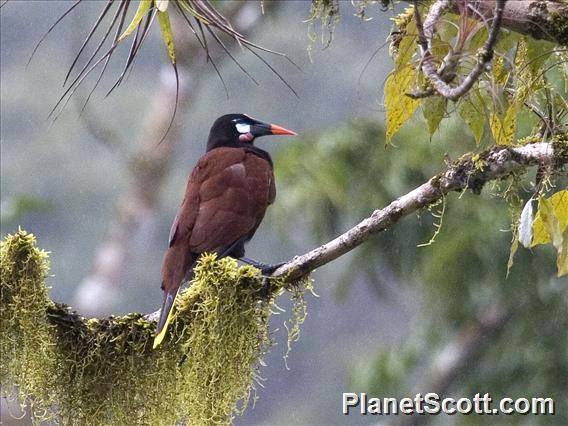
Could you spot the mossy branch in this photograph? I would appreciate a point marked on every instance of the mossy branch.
(104, 371)
(89, 371)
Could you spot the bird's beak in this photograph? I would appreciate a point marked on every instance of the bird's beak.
(262, 129)
(277, 130)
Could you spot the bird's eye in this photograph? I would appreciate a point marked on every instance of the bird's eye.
(243, 128)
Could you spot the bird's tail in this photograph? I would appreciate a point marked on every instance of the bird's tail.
(165, 316)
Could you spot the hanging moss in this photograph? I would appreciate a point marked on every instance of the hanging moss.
(326, 12)
(89, 371)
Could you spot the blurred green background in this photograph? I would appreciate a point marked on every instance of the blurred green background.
(386, 310)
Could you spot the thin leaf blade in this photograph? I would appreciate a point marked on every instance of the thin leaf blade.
(143, 8)
(167, 34)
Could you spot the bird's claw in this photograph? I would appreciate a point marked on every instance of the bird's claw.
(267, 270)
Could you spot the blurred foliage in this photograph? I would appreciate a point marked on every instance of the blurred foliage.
(73, 370)
(13, 208)
(347, 173)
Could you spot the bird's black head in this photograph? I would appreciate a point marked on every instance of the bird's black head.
(234, 130)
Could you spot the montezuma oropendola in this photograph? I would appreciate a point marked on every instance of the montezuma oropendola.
(226, 197)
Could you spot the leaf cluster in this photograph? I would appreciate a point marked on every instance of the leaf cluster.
(526, 82)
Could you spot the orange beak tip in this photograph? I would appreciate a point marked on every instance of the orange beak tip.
(277, 130)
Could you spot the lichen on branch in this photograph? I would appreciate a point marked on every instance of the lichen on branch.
(90, 371)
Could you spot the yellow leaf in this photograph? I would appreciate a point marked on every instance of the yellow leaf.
(143, 8)
(528, 64)
(551, 224)
(562, 258)
(514, 248)
(555, 206)
(407, 46)
(167, 35)
(399, 107)
(503, 129)
(500, 73)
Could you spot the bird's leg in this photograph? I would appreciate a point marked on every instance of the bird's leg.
(266, 268)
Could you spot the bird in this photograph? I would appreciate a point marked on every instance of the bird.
(227, 195)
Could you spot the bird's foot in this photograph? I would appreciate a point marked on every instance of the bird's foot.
(266, 269)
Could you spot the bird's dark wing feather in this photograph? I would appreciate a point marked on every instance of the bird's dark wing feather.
(232, 201)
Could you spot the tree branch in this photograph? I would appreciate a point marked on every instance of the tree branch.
(425, 34)
(493, 164)
(542, 19)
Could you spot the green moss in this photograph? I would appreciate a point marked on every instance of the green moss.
(89, 371)
(326, 12)
(529, 139)
(479, 163)
(560, 147)
(26, 338)
(401, 21)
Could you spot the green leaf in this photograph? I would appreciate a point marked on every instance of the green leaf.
(433, 110)
(506, 40)
(188, 8)
(167, 35)
(143, 8)
(472, 112)
(538, 52)
(399, 107)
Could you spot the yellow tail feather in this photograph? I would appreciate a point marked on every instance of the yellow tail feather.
(168, 306)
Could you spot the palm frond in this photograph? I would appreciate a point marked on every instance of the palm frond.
(200, 16)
